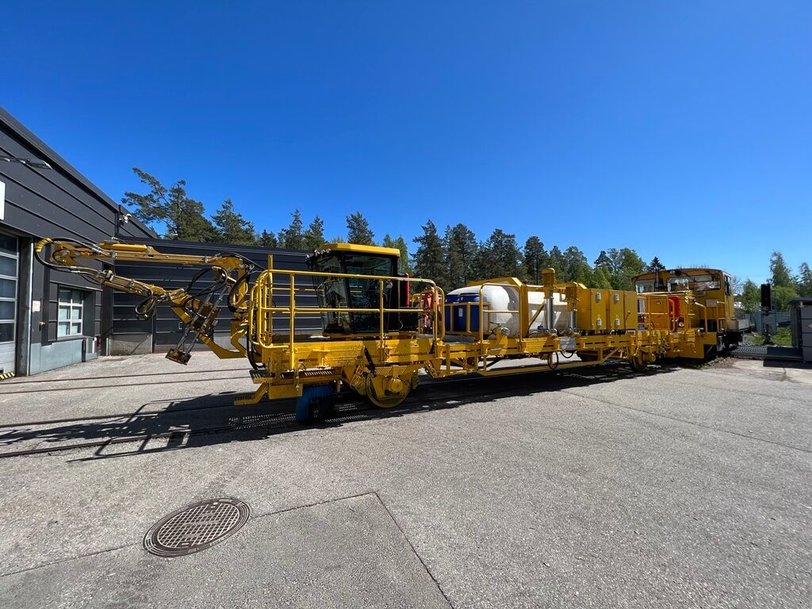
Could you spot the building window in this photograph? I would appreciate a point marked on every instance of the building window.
(71, 304)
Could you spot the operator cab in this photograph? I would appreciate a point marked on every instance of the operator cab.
(366, 277)
(712, 290)
(699, 281)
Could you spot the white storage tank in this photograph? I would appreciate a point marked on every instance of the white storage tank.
(462, 310)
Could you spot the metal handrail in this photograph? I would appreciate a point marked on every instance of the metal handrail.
(262, 310)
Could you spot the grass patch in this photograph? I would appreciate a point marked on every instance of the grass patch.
(781, 338)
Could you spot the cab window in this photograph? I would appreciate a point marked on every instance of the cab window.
(678, 284)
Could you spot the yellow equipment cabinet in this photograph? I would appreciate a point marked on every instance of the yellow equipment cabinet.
(622, 307)
(598, 321)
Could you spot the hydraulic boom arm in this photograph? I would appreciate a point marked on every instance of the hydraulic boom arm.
(197, 309)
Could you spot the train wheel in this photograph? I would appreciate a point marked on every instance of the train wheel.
(388, 392)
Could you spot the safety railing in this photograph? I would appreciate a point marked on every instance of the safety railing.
(649, 319)
(268, 290)
(704, 314)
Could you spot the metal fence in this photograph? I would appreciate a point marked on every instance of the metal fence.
(774, 320)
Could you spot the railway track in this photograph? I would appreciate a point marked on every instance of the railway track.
(277, 417)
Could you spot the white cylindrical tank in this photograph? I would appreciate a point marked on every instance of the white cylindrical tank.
(502, 310)
(498, 300)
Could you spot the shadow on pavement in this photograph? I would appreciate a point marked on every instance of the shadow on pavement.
(213, 419)
(773, 363)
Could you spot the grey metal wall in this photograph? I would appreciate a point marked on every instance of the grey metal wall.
(805, 315)
(130, 335)
(801, 309)
(57, 202)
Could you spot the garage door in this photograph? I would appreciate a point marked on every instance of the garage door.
(8, 302)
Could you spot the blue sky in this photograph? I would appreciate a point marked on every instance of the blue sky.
(680, 129)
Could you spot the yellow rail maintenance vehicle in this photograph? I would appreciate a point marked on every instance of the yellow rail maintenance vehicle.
(380, 329)
(713, 303)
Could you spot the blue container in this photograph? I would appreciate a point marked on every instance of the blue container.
(456, 312)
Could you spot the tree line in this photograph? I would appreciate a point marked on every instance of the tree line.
(452, 258)
(784, 285)
(184, 219)
(456, 257)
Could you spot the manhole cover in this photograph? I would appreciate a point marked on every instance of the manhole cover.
(196, 527)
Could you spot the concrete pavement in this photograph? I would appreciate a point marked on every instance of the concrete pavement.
(680, 488)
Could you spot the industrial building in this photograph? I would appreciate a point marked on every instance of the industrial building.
(49, 318)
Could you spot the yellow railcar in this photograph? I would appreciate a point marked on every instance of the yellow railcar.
(381, 330)
(712, 310)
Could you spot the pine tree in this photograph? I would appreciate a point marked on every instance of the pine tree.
(556, 261)
(232, 227)
(292, 237)
(655, 265)
(267, 239)
(313, 237)
(182, 217)
(603, 260)
(429, 259)
(461, 250)
(358, 230)
(499, 256)
(192, 225)
(779, 271)
(399, 244)
(405, 265)
(804, 280)
(576, 267)
(535, 259)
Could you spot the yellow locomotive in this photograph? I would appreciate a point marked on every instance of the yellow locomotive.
(382, 330)
(713, 309)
